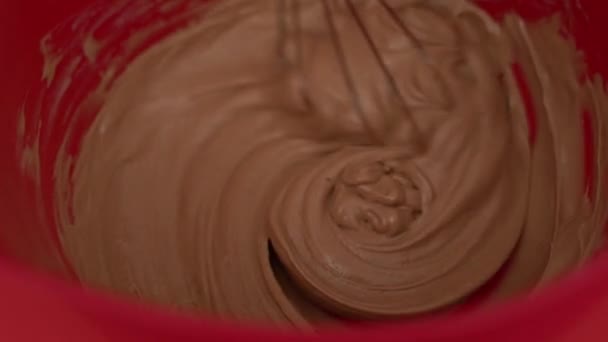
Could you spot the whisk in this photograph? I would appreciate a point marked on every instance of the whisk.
(290, 26)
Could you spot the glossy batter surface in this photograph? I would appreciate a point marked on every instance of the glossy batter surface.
(307, 161)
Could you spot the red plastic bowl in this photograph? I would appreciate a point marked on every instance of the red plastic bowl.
(40, 303)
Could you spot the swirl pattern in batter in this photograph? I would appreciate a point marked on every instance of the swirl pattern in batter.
(310, 161)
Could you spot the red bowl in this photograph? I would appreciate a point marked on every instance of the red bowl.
(40, 303)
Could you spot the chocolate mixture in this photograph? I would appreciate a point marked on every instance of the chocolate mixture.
(307, 161)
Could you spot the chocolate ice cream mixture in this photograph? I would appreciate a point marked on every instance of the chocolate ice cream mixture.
(298, 162)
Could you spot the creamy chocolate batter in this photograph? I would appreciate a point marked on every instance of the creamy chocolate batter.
(311, 161)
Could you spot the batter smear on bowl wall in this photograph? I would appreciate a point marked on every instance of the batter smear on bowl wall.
(305, 162)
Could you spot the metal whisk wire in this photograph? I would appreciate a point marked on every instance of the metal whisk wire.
(290, 26)
(289, 22)
(290, 31)
(297, 21)
(282, 29)
(401, 102)
(403, 27)
(378, 56)
(348, 76)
